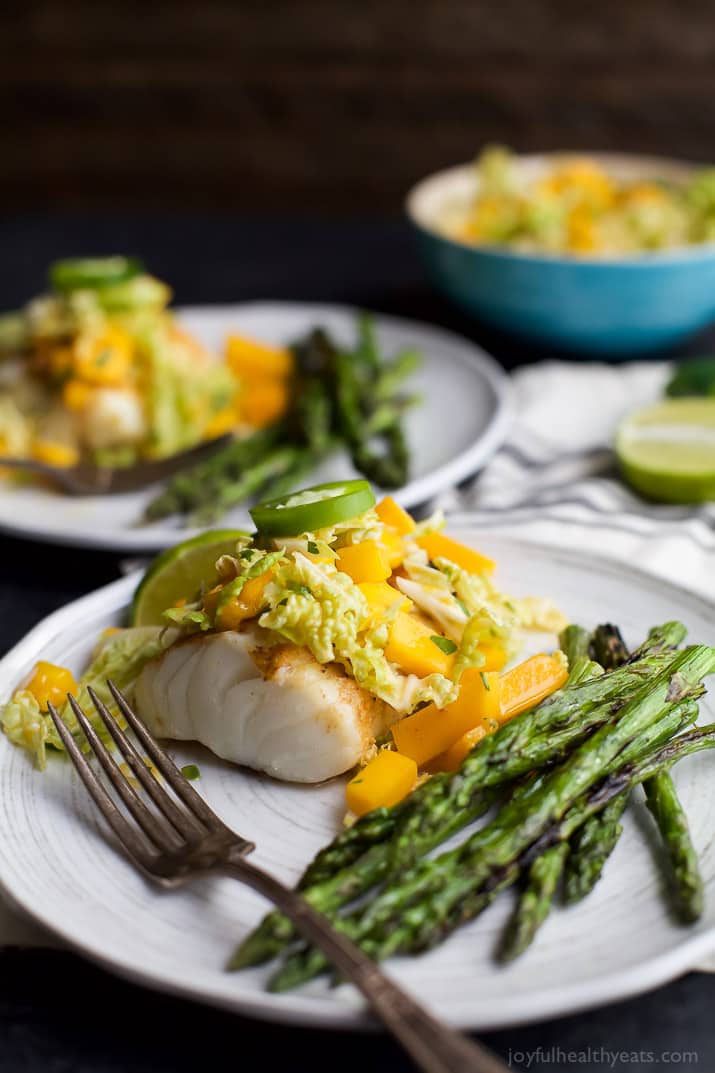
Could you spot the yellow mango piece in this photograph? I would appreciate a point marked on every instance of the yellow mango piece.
(439, 546)
(364, 562)
(50, 684)
(380, 596)
(76, 395)
(222, 422)
(529, 683)
(411, 647)
(392, 514)
(480, 692)
(247, 604)
(248, 358)
(451, 759)
(262, 402)
(494, 657)
(394, 547)
(432, 730)
(381, 783)
(62, 455)
(582, 231)
(104, 360)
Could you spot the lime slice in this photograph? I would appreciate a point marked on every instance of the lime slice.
(179, 572)
(667, 452)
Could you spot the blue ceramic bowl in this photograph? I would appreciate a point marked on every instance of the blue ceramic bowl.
(616, 307)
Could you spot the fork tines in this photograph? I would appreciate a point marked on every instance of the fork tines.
(177, 823)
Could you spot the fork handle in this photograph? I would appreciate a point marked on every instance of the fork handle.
(433, 1045)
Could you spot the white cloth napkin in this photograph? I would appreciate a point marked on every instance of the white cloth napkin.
(554, 480)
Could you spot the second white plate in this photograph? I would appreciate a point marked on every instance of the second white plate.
(462, 419)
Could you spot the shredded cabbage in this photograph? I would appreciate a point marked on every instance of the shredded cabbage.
(319, 607)
(119, 656)
(577, 206)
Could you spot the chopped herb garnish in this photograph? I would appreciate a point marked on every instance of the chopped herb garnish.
(313, 548)
(247, 553)
(302, 590)
(190, 772)
(485, 681)
(444, 644)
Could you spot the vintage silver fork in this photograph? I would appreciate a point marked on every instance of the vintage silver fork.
(181, 838)
(86, 479)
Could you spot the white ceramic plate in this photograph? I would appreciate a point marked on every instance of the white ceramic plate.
(462, 420)
(56, 864)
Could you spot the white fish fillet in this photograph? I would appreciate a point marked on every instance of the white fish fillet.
(271, 708)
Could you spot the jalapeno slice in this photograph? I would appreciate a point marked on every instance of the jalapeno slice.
(313, 508)
(88, 273)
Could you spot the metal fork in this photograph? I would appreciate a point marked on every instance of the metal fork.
(181, 838)
(86, 479)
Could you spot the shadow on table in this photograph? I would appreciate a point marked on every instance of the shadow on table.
(60, 1013)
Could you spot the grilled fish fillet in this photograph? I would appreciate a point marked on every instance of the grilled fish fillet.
(270, 707)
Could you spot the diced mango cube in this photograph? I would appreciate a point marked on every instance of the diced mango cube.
(380, 596)
(222, 422)
(392, 514)
(247, 604)
(76, 395)
(394, 547)
(529, 683)
(249, 359)
(415, 647)
(494, 657)
(262, 402)
(364, 562)
(432, 730)
(50, 684)
(381, 783)
(53, 453)
(451, 759)
(104, 360)
(439, 546)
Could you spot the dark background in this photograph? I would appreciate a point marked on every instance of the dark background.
(331, 105)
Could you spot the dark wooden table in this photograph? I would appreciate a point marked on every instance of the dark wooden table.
(125, 1028)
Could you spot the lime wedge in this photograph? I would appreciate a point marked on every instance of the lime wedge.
(667, 452)
(179, 572)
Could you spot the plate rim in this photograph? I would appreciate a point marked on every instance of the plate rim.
(415, 492)
(542, 1005)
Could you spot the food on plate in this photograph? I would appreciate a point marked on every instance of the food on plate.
(666, 452)
(98, 370)
(269, 706)
(367, 644)
(295, 650)
(348, 398)
(558, 774)
(578, 208)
